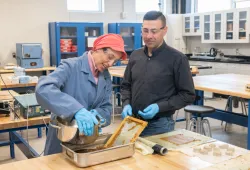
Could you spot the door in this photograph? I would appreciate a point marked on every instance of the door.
(187, 25)
(207, 36)
(196, 25)
(68, 38)
(242, 22)
(230, 26)
(218, 27)
(91, 33)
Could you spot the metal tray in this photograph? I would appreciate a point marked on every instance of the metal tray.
(87, 155)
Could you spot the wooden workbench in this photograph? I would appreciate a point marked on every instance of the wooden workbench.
(5, 95)
(118, 71)
(7, 123)
(3, 71)
(10, 126)
(7, 82)
(172, 161)
(226, 84)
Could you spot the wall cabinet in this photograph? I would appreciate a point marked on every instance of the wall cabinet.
(130, 32)
(191, 25)
(71, 39)
(231, 26)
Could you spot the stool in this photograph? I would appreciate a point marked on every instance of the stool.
(199, 123)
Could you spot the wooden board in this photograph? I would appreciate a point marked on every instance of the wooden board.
(118, 71)
(7, 82)
(2, 71)
(227, 84)
(172, 161)
(137, 123)
(7, 123)
(5, 95)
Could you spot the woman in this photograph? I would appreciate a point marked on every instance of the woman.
(80, 88)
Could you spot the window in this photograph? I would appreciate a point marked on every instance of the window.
(143, 6)
(213, 5)
(242, 3)
(85, 5)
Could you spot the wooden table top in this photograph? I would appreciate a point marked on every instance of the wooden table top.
(7, 123)
(7, 82)
(2, 71)
(227, 84)
(118, 71)
(171, 161)
(5, 95)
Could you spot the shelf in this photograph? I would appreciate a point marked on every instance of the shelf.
(68, 52)
(91, 36)
(66, 37)
(127, 36)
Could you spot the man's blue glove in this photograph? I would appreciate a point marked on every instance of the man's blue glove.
(102, 120)
(127, 111)
(86, 121)
(149, 112)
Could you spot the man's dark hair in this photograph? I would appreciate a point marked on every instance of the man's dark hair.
(155, 15)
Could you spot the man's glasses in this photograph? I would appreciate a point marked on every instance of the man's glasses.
(153, 31)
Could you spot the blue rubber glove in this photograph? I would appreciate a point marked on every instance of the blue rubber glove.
(102, 120)
(127, 111)
(86, 121)
(149, 112)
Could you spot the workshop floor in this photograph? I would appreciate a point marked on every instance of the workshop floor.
(236, 135)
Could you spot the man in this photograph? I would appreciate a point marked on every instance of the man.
(157, 80)
(80, 88)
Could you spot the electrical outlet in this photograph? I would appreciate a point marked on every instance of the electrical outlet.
(14, 55)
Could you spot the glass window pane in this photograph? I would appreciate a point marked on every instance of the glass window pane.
(84, 5)
(243, 4)
(213, 5)
(146, 5)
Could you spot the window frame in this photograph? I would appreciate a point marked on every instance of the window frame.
(162, 2)
(100, 7)
(235, 1)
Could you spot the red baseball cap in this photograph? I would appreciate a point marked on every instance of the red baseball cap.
(113, 41)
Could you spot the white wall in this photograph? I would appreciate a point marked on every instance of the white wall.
(227, 49)
(26, 21)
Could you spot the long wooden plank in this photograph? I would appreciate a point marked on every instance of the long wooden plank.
(172, 161)
(28, 70)
(7, 82)
(7, 123)
(227, 84)
(118, 71)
